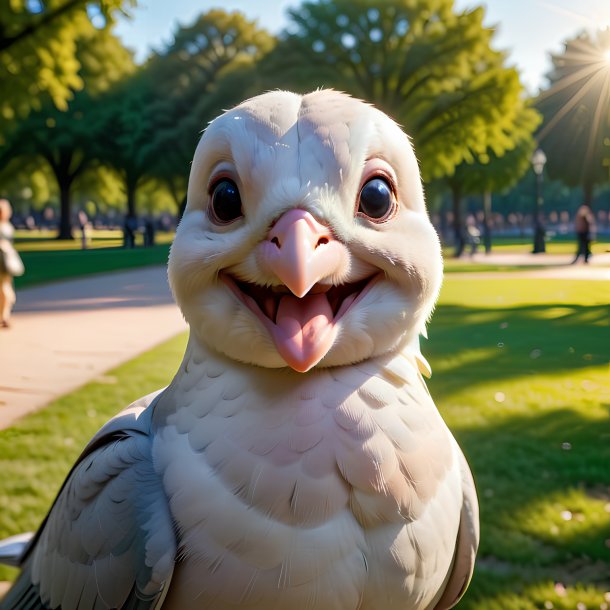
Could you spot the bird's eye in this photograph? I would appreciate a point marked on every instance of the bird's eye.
(376, 199)
(226, 202)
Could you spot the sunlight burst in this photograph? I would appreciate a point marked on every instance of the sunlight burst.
(584, 74)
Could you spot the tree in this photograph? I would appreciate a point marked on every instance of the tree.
(127, 126)
(429, 67)
(67, 139)
(576, 127)
(490, 172)
(38, 51)
(153, 121)
(212, 65)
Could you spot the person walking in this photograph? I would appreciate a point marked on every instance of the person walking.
(584, 225)
(11, 264)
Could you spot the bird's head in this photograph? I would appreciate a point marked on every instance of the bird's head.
(305, 240)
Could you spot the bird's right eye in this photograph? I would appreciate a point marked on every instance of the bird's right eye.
(225, 204)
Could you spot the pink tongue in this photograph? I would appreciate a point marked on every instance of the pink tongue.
(304, 330)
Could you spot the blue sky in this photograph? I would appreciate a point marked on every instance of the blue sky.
(528, 29)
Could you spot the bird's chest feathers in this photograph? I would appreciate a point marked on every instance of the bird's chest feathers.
(288, 482)
(301, 449)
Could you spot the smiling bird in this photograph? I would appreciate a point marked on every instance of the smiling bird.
(296, 460)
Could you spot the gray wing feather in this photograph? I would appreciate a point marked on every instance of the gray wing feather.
(108, 541)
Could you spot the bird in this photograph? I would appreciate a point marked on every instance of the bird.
(297, 459)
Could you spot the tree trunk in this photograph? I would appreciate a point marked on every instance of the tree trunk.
(458, 225)
(65, 215)
(487, 221)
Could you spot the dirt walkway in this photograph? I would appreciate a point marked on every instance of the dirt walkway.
(67, 333)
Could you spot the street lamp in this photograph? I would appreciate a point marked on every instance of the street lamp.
(538, 160)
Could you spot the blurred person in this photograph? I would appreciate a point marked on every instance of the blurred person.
(149, 231)
(83, 224)
(11, 264)
(129, 231)
(473, 234)
(584, 225)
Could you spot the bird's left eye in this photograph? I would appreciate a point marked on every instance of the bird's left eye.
(376, 199)
(225, 205)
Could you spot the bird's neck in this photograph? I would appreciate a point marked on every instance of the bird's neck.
(207, 375)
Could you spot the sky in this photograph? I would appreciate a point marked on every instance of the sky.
(529, 30)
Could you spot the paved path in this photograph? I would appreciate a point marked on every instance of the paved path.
(67, 333)
(557, 266)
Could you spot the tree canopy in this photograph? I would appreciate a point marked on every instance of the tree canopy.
(104, 124)
(67, 139)
(425, 64)
(38, 51)
(153, 120)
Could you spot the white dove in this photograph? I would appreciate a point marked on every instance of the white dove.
(296, 461)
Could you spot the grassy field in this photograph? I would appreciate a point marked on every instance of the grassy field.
(521, 377)
(47, 259)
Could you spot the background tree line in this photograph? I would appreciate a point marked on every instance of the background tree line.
(82, 120)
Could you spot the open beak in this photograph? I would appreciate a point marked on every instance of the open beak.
(301, 315)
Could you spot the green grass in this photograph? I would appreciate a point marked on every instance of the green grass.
(37, 240)
(521, 377)
(560, 244)
(47, 259)
(515, 245)
(46, 266)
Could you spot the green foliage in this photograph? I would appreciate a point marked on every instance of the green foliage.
(429, 67)
(152, 122)
(26, 183)
(491, 172)
(38, 51)
(66, 140)
(575, 134)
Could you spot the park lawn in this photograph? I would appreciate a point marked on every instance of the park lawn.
(43, 266)
(47, 259)
(42, 239)
(521, 377)
(520, 374)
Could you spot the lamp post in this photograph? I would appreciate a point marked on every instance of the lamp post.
(538, 160)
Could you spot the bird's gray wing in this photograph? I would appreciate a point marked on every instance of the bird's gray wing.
(109, 540)
(467, 542)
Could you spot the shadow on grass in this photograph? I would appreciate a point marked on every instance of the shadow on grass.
(544, 488)
(540, 459)
(515, 342)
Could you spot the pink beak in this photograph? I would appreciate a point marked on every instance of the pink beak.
(301, 251)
